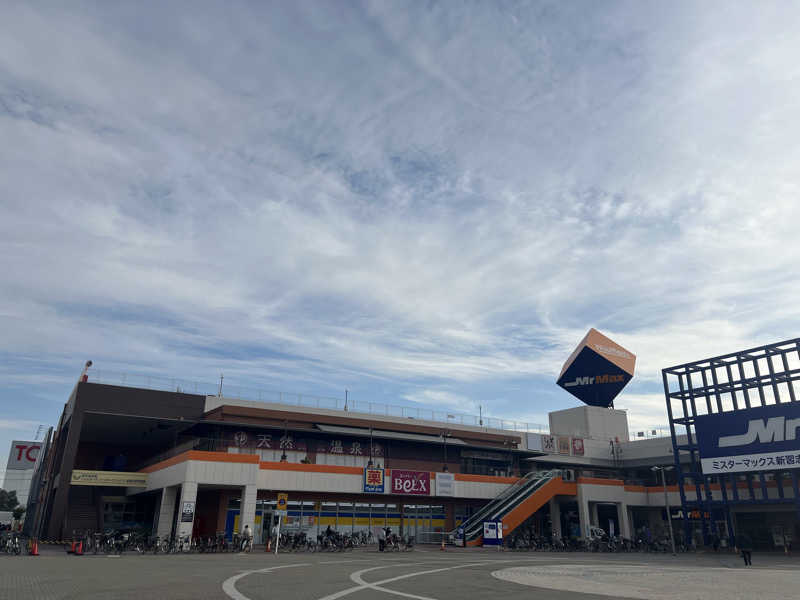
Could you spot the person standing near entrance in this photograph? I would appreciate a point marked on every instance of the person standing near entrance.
(745, 545)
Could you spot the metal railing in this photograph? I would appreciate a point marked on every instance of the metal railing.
(311, 401)
(155, 382)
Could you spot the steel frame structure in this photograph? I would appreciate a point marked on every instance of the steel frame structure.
(738, 381)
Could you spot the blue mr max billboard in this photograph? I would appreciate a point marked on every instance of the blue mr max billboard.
(756, 439)
(597, 370)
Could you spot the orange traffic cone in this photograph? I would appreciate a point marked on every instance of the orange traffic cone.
(79, 549)
(72, 547)
(34, 548)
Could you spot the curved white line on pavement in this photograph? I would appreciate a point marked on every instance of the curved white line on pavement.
(363, 585)
(229, 585)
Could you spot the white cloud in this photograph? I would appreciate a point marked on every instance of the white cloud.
(19, 425)
(410, 198)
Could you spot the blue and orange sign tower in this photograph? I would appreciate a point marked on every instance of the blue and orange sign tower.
(597, 370)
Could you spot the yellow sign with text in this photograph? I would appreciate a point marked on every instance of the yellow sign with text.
(283, 500)
(115, 478)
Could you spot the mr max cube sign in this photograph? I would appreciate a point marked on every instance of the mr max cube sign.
(597, 370)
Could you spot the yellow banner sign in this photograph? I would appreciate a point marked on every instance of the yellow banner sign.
(283, 499)
(117, 478)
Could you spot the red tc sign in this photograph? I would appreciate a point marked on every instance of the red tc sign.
(23, 455)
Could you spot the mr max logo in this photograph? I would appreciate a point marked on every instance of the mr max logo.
(765, 431)
(596, 380)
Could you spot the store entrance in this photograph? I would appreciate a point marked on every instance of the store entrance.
(425, 522)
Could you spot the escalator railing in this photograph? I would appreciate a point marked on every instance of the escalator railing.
(505, 502)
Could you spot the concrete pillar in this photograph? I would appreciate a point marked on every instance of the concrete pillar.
(247, 506)
(222, 511)
(624, 519)
(555, 517)
(188, 494)
(583, 512)
(166, 510)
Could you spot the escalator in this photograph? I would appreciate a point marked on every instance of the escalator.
(516, 503)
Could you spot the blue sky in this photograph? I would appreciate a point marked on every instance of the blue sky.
(424, 203)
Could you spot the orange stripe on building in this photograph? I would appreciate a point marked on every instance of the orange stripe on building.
(635, 488)
(202, 455)
(484, 478)
(306, 468)
(600, 481)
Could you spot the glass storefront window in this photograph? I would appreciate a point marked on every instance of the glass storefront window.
(393, 516)
(308, 516)
(378, 517)
(361, 517)
(345, 521)
(329, 512)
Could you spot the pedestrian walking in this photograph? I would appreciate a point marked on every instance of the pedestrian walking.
(247, 539)
(745, 545)
(273, 536)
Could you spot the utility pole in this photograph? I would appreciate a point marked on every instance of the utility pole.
(666, 505)
(219, 393)
(345, 399)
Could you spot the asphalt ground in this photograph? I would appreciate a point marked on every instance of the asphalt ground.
(423, 574)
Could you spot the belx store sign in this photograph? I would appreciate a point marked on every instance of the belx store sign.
(411, 482)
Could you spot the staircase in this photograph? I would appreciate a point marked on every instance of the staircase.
(516, 503)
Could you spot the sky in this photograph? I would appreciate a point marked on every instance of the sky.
(424, 203)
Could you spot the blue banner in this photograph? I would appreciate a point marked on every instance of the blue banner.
(755, 439)
(373, 481)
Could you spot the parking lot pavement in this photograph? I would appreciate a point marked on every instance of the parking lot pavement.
(423, 574)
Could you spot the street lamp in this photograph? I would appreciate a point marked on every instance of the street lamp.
(444, 445)
(369, 464)
(285, 440)
(666, 503)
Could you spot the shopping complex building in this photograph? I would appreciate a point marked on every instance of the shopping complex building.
(178, 463)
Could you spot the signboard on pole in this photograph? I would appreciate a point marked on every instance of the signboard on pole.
(23, 455)
(597, 370)
(492, 533)
(755, 439)
(283, 501)
(460, 541)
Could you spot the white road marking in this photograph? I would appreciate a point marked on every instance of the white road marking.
(363, 585)
(229, 585)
